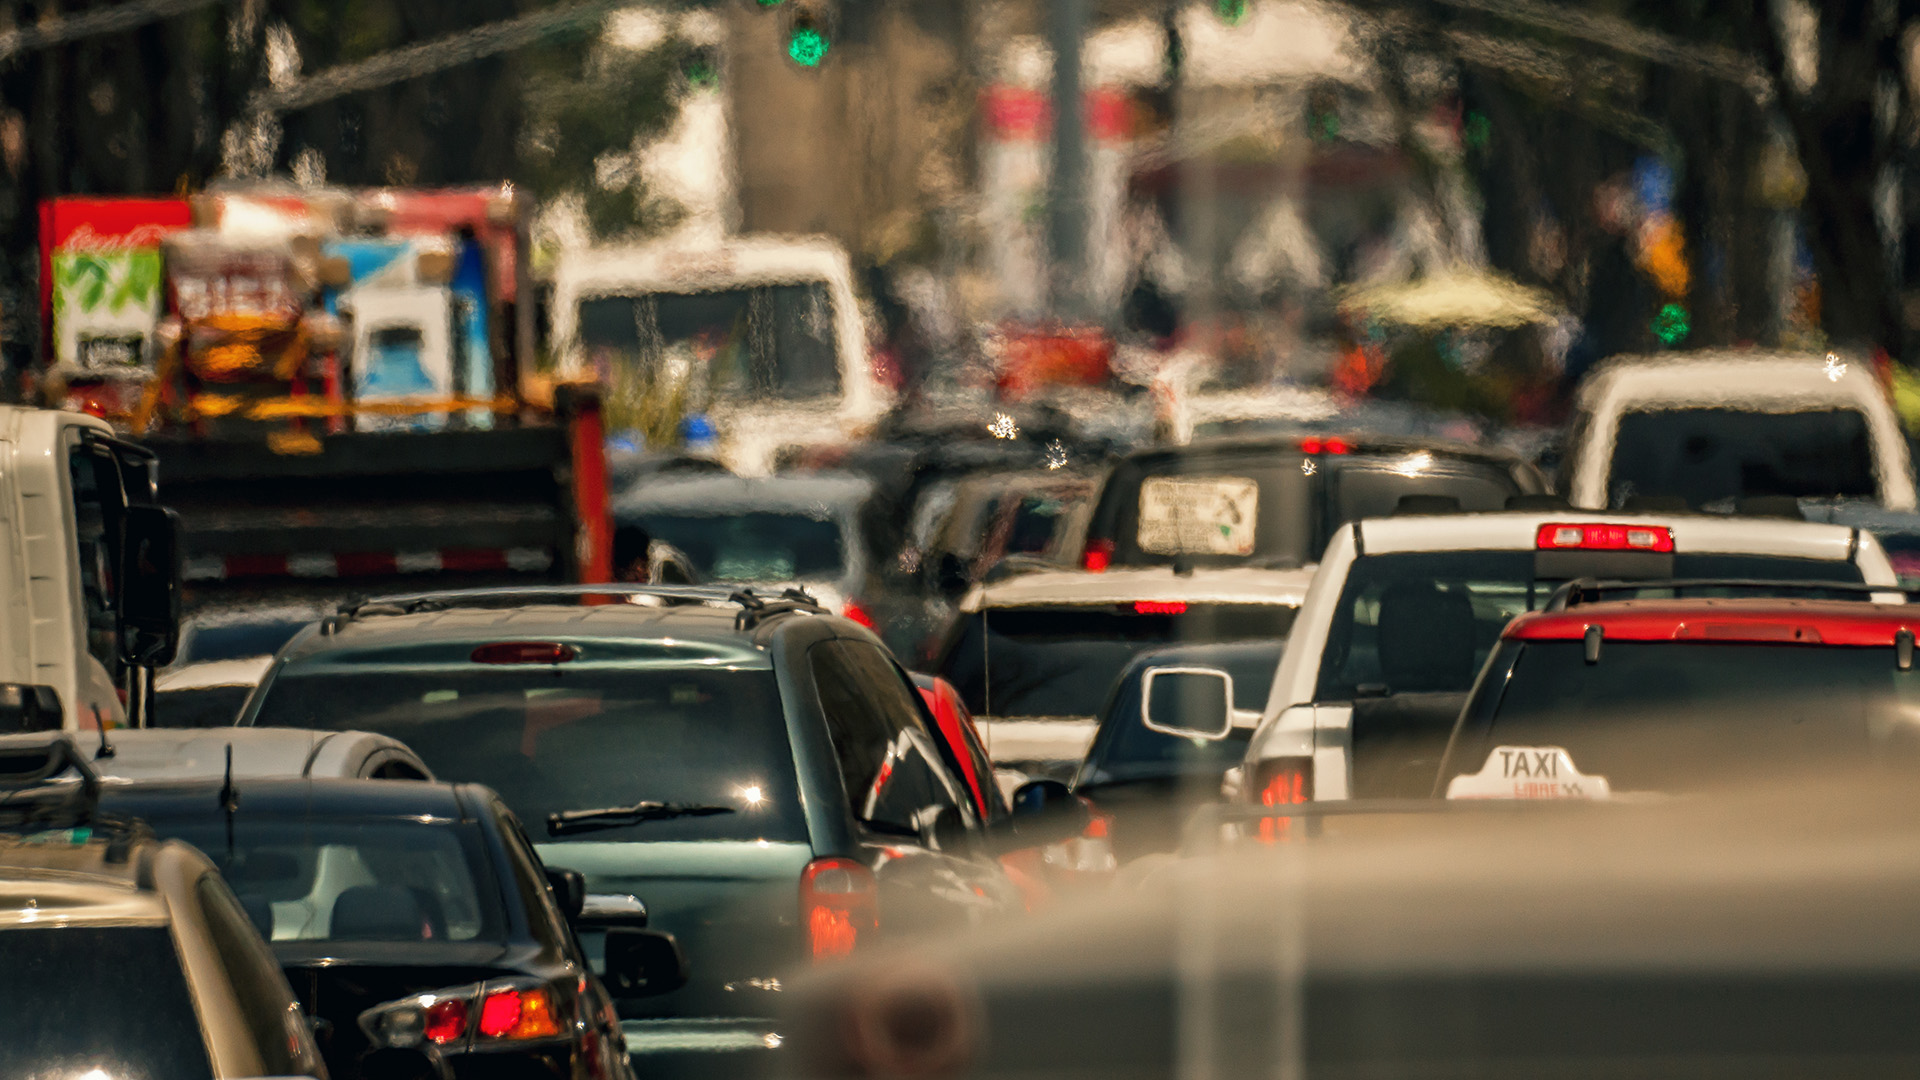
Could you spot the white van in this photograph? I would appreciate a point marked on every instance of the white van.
(766, 331)
(1711, 429)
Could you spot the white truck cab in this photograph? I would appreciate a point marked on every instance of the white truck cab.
(1713, 428)
(1403, 611)
(65, 487)
(766, 329)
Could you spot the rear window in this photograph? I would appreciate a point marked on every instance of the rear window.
(1127, 749)
(769, 341)
(754, 546)
(332, 879)
(1661, 714)
(206, 707)
(1425, 622)
(1372, 487)
(1710, 457)
(549, 739)
(108, 999)
(1036, 662)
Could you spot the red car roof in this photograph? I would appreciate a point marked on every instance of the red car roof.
(1827, 622)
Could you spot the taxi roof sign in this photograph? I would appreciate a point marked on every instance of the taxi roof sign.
(1528, 772)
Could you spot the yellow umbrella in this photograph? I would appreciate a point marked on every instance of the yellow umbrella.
(1479, 298)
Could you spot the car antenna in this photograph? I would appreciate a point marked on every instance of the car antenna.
(229, 801)
(106, 748)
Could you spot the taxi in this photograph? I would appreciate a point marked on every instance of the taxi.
(1404, 611)
(1678, 693)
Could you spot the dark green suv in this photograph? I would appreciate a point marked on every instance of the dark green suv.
(756, 775)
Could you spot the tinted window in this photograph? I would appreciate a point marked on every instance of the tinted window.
(755, 546)
(214, 706)
(772, 341)
(1062, 661)
(549, 740)
(1666, 714)
(234, 641)
(265, 1002)
(1424, 623)
(331, 879)
(888, 757)
(1376, 488)
(95, 500)
(107, 998)
(1711, 456)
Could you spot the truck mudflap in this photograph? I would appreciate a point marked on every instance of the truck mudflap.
(446, 508)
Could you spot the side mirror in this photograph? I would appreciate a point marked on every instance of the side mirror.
(26, 708)
(149, 580)
(1192, 702)
(606, 911)
(1046, 812)
(949, 830)
(569, 891)
(643, 963)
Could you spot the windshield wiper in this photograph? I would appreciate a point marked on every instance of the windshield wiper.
(614, 817)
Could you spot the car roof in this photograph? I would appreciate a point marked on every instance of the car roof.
(1212, 653)
(820, 494)
(686, 624)
(79, 878)
(1121, 585)
(1778, 621)
(1692, 533)
(201, 753)
(413, 800)
(1361, 443)
(1731, 377)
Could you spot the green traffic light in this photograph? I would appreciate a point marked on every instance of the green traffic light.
(1671, 326)
(771, 3)
(1230, 11)
(807, 46)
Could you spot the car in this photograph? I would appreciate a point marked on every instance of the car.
(988, 517)
(255, 753)
(1709, 429)
(413, 916)
(1274, 501)
(1768, 932)
(126, 955)
(1403, 612)
(207, 694)
(1035, 654)
(1659, 690)
(1162, 746)
(760, 772)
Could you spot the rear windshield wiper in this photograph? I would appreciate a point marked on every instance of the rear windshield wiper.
(614, 817)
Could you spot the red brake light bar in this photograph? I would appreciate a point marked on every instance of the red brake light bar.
(523, 652)
(1589, 536)
(1314, 444)
(1160, 607)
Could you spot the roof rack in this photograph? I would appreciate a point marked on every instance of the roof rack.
(1591, 590)
(33, 799)
(790, 599)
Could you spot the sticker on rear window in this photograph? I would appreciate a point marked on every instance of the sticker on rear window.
(1198, 515)
(1528, 772)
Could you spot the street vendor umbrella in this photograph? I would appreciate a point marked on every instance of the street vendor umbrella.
(1471, 298)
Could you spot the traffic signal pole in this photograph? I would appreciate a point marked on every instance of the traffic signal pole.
(1067, 183)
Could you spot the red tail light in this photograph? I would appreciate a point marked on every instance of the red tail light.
(1286, 781)
(839, 901)
(1313, 444)
(519, 1014)
(523, 652)
(1097, 556)
(852, 610)
(1160, 607)
(446, 1020)
(1588, 536)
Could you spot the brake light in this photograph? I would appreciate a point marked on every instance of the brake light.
(852, 610)
(1586, 536)
(524, 652)
(1097, 556)
(838, 901)
(519, 1014)
(1313, 444)
(1286, 781)
(1160, 607)
(446, 1020)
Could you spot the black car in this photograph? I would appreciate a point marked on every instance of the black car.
(1161, 748)
(371, 891)
(1275, 500)
(761, 773)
